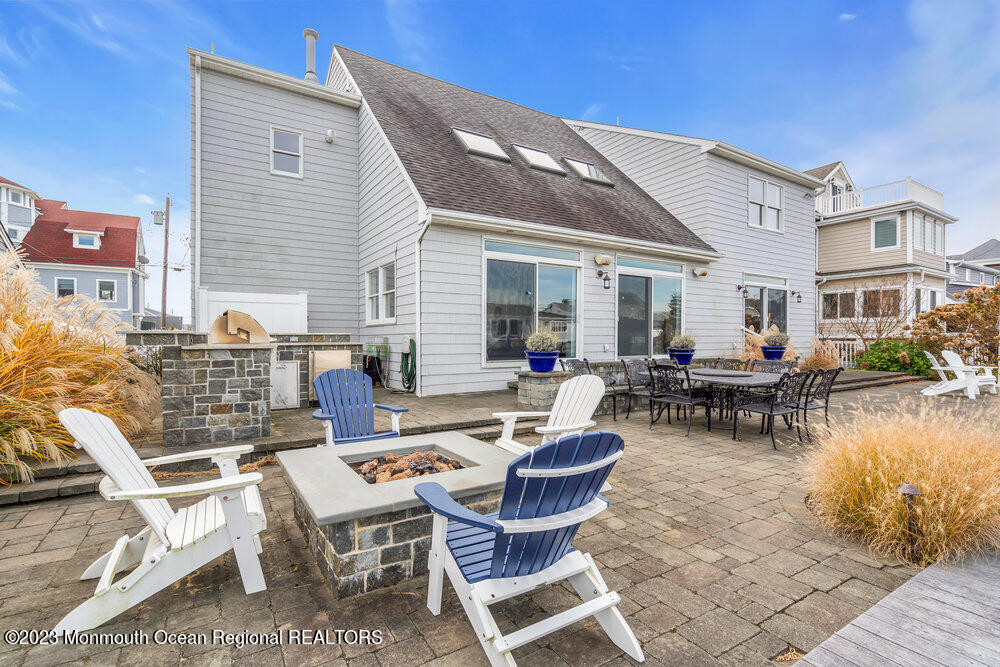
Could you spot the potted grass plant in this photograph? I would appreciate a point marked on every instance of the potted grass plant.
(774, 345)
(542, 350)
(682, 349)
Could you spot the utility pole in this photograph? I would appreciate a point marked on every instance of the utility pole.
(165, 216)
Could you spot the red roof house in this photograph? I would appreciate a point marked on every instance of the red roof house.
(63, 236)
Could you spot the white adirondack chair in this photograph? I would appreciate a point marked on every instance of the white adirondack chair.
(571, 414)
(962, 381)
(980, 376)
(174, 543)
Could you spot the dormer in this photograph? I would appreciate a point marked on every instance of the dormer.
(17, 208)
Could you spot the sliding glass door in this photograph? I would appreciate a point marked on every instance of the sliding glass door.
(766, 303)
(510, 308)
(649, 309)
(633, 315)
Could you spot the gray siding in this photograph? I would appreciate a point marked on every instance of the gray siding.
(86, 284)
(709, 195)
(338, 77)
(276, 234)
(387, 228)
(452, 327)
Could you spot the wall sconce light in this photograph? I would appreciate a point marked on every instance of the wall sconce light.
(743, 288)
(798, 296)
(606, 277)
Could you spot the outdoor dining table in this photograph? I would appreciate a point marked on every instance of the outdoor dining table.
(731, 379)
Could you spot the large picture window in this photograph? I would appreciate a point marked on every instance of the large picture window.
(766, 303)
(529, 288)
(650, 306)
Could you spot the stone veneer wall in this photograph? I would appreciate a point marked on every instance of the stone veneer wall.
(361, 555)
(537, 391)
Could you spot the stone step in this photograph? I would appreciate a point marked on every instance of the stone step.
(902, 378)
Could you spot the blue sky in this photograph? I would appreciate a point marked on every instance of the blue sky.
(94, 97)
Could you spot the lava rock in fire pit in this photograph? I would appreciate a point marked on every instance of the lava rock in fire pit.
(397, 466)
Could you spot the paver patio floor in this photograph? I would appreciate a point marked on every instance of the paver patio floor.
(707, 540)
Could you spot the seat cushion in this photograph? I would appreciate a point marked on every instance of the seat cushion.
(195, 522)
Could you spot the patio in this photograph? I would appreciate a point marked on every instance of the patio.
(707, 540)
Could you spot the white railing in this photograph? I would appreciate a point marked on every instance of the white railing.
(879, 196)
(847, 350)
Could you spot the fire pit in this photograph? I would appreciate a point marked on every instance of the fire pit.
(366, 535)
(390, 467)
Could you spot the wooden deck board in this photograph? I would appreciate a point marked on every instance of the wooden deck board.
(943, 615)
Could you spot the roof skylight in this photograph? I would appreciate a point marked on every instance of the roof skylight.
(588, 171)
(539, 159)
(480, 145)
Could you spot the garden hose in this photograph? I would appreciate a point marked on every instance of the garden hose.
(408, 367)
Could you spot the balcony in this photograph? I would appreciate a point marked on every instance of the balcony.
(880, 195)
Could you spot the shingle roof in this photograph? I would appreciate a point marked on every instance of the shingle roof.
(987, 250)
(417, 114)
(49, 242)
(822, 172)
(7, 181)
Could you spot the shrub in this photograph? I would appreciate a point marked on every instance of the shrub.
(822, 357)
(55, 354)
(542, 340)
(683, 341)
(969, 328)
(777, 339)
(952, 457)
(895, 355)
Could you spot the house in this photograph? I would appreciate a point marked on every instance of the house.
(6, 243)
(17, 210)
(757, 213)
(393, 206)
(880, 252)
(99, 255)
(979, 266)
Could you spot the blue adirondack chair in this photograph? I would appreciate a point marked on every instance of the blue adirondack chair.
(347, 407)
(548, 493)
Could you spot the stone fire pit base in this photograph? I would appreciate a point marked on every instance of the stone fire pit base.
(366, 536)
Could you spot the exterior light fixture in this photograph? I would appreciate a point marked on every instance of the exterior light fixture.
(798, 296)
(606, 277)
(909, 492)
(743, 288)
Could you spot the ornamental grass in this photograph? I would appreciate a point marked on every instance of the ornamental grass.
(56, 354)
(952, 456)
(823, 356)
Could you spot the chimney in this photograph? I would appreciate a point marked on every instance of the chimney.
(311, 38)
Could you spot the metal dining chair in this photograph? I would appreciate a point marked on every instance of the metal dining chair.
(782, 401)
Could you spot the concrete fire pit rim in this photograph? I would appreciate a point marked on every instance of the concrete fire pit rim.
(333, 492)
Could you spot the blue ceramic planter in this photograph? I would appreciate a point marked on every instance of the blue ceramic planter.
(682, 355)
(541, 361)
(773, 352)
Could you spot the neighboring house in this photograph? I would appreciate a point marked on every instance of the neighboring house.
(985, 254)
(965, 274)
(152, 319)
(17, 209)
(756, 212)
(6, 244)
(390, 205)
(876, 246)
(99, 255)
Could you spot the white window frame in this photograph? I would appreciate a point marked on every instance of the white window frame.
(839, 317)
(748, 281)
(939, 230)
(536, 260)
(300, 154)
(114, 290)
(55, 285)
(886, 248)
(649, 273)
(380, 295)
(10, 197)
(575, 165)
(78, 235)
(918, 232)
(781, 205)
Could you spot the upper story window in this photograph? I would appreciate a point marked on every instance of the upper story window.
(539, 159)
(106, 290)
(286, 152)
(15, 197)
(588, 171)
(86, 241)
(885, 234)
(380, 293)
(65, 287)
(939, 238)
(479, 144)
(765, 204)
(918, 232)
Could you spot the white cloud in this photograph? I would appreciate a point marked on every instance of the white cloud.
(847, 17)
(6, 104)
(408, 29)
(6, 87)
(143, 199)
(140, 170)
(592, 111)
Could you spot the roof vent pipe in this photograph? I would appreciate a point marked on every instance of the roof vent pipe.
(311, 37)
